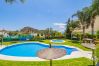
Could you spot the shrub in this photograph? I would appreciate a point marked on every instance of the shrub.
(97, 34)
(90, 36)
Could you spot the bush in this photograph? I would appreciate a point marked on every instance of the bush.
(90, 36)
(97, 34)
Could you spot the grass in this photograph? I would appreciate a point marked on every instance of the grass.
(69, 62)
(70, 43)
(10, 42)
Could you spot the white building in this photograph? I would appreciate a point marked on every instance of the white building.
(4, 33)
(36, 34)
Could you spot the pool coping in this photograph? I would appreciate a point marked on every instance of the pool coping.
(75, 54)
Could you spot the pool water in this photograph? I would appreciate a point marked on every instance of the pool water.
(30, 49)
(57, 40)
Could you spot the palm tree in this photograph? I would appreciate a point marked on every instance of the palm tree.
(72, 24)
(86, 10)
(81, 18)
(93, 17)
(84, 18)
(94, 11)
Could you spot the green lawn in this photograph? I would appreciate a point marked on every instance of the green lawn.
(71, 43)
(69, 62)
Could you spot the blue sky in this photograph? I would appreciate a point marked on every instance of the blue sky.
(39, 14)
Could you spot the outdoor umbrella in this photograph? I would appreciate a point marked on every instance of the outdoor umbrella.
(51, 53)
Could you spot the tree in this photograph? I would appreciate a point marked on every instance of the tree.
(71, 25)
(13, 33)
(49, 33)
(1, 39)
(67, 31)
(81, 18)
(84, 19)
(86, 10)
(97, 34)
(94, 11)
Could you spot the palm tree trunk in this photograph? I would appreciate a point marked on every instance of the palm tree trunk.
(83, 33)
(71, 35)
(92, 31)
(93, 53)
(50, 62)
(2, 41)
(92, 26)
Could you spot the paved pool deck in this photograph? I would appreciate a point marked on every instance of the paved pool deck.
(75, 54)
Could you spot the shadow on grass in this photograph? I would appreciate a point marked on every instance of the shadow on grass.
(14, 42)
(41, 41)
(74, 41)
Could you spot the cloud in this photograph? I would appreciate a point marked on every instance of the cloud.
(59, 26)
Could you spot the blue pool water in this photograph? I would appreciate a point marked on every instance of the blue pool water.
(57, 40)
(30, 49)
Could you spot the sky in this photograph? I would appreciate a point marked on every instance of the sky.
(39, 14)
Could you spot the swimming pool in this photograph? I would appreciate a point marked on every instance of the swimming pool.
(57, 41)
(30, 49)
